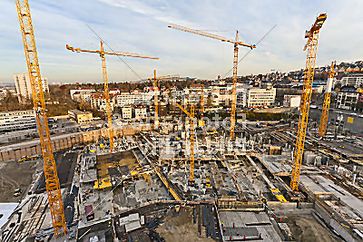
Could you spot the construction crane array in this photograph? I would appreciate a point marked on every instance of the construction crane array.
(49, 165)
(236, 43)
(311, 46)
(326, 104)
(106, 93)
(191, 115)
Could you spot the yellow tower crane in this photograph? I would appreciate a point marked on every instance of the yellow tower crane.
(311, 46)
(106, 94)
(326, 105)
(236, 43)
(49, 166)
(156, 94)
(191, 115)
(156, 102)
(201, 120)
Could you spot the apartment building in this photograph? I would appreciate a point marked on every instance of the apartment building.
(23, 87)
(140, 112)
(135, 98)
(98, 101)
(17, 120)
(81, 94)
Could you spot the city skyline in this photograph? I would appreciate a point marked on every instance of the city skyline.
(57, 24)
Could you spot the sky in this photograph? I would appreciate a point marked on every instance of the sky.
(141, 26)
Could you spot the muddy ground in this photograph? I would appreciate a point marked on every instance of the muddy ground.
(14, 175)
(179, 227)
(307, 228)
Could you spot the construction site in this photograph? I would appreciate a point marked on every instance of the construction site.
(189, 176)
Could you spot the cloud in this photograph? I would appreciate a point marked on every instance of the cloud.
(141, 26)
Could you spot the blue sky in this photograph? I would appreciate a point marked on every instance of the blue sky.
(141, 26)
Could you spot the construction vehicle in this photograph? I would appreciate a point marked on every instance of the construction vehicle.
(50, 168)
(276, 192)
(312, 36)
(326, 105)
(106, 93)
(191, 116)
(236, 43)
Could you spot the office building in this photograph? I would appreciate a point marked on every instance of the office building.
(80, 117)
(261, 97)
(17, 120)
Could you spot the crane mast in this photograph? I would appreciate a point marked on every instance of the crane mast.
(106, 93)
(236, 43)
(156, 102)
(201, 116)
(49, 166)
(191, 115)
(311, 46)
(155, 80)
(326, 105)
(234, 91)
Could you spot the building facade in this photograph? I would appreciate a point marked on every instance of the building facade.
(17, 120)
(126, 112)
(292, 101)
(124, 99)
(80, 117)
(260, 97)
(99, 102)
(140, 113)
(23, 87)
(81, 94)
(347, 98)
(355, 80)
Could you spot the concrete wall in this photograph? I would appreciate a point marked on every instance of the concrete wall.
(333, 220)
(66, 142)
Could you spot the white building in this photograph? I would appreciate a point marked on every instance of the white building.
(221, 95)
(125, 99)
(347, 98)
(23, 87)
(260, 97)
(355, 80)
(292, 101)
(17, 120)
(140, 112)
(81, 94)
(99, 102)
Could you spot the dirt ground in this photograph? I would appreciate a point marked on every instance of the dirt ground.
(306, 228)
(13, 176)
(180, 228)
